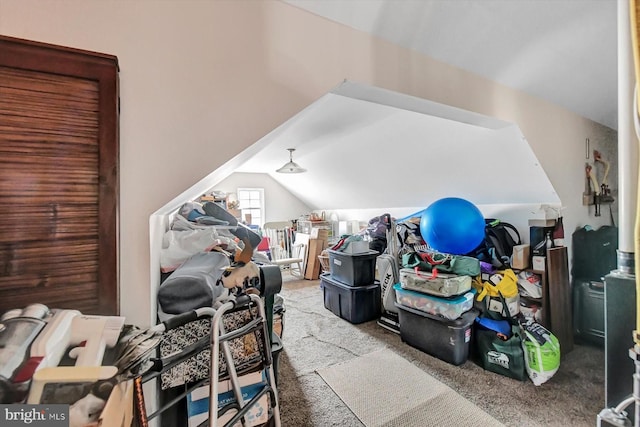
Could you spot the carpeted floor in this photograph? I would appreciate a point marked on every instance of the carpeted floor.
(314, 339)
(409, 397)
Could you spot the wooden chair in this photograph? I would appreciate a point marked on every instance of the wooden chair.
(287, 255)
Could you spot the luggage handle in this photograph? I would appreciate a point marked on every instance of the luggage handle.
(434, 274)
(596, 285)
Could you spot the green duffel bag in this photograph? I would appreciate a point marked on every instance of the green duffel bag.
(455, 264)
(499, 355)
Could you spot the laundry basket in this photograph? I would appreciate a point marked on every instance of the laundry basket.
(324, 262)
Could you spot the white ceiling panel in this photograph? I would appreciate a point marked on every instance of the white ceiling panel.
(345, 138)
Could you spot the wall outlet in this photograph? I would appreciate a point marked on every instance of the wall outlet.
(587, 199)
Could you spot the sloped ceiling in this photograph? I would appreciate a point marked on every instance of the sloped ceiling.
(563, 51)
(346, 137)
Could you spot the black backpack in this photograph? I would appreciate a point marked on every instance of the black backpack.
(497, 247)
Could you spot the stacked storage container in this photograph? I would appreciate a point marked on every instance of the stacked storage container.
(350, 290)
(436, 313)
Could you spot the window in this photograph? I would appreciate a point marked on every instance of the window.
(251, 205)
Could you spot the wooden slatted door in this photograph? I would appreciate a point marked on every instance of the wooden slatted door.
(58, 178)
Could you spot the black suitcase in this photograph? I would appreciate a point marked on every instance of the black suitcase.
(588, 311)
(594, 252)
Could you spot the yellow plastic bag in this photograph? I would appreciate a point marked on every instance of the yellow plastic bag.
(501, 289)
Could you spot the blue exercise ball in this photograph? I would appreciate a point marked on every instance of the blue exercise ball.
(452, 225)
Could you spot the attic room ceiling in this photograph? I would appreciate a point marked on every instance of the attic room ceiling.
(562, 51)
(370, 121)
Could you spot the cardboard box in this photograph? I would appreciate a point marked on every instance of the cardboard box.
(546, 222)
(316, 246)
(539, 263)
(520, 258)
(250, 384)
(320, 234)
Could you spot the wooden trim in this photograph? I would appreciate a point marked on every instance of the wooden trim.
(109, 186)
(30, 56)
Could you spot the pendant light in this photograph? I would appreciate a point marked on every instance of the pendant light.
(291, 166)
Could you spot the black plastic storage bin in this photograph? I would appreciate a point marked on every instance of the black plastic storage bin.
(445, 339)
(354, 304)
(353, 269)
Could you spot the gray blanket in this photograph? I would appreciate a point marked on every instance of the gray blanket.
(193, 285)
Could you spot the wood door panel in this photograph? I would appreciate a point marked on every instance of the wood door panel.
(58, 178)
(47, 222)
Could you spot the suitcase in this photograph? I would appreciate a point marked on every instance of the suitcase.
(443, 285)
(588, 311)
(594, 252)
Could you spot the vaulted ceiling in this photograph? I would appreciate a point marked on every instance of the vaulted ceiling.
(563, 51)
(367, 147)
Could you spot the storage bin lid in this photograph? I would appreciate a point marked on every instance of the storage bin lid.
(367, 254)
(326, 277)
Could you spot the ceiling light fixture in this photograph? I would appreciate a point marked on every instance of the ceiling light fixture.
(291, 166)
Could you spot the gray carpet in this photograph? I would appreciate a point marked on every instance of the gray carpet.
(400, 394)
(314, 339)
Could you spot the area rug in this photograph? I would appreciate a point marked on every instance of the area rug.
(383, 390)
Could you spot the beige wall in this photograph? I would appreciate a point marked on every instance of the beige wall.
(203, 80)
(280, 204)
